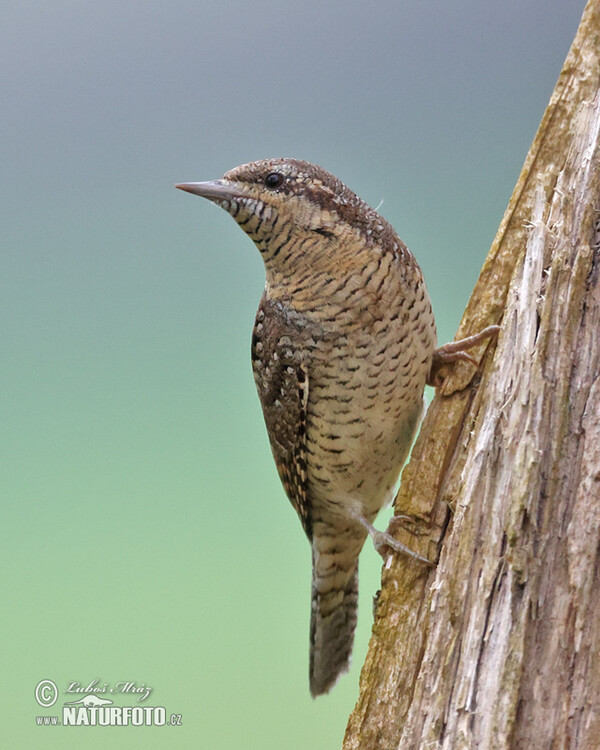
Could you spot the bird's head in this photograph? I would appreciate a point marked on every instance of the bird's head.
(295, 210)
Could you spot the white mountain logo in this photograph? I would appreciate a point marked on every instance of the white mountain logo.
(90, 701)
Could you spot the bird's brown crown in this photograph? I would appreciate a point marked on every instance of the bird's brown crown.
(312, 198)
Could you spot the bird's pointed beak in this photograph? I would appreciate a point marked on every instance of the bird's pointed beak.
(213, 190)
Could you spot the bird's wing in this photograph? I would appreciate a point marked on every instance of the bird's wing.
(281, 377)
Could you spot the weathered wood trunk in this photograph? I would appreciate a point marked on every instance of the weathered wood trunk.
(499, 645)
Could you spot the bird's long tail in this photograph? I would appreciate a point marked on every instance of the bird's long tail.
(333, 614)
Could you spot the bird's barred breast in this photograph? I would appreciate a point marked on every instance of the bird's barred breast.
(365, 403)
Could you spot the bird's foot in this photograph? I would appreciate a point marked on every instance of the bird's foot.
(385, 543)
(455, 351)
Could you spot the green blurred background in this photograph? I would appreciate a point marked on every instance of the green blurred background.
(145, 535)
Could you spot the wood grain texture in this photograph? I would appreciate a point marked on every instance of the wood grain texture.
(499, 646)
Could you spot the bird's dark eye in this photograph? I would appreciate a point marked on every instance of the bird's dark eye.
(274, 180)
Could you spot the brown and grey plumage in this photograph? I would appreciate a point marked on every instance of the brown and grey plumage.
(342, 347)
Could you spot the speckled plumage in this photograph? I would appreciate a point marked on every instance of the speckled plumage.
(342, 347)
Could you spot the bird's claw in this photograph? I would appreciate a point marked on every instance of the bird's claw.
(385, 543)
(455, 351)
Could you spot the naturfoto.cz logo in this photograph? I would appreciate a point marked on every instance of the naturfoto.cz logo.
(93, 710)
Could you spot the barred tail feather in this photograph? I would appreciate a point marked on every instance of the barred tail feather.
(333, 618)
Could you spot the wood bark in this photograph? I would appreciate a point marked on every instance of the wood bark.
(499, 645)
